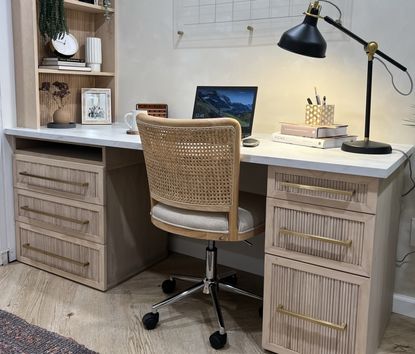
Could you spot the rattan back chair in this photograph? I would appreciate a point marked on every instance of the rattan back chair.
(194, 165)
(193, 174)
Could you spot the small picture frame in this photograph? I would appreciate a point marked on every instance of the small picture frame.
(96, 106)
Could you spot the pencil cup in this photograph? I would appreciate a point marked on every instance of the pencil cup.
(319, 114)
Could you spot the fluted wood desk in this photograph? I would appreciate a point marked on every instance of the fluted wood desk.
(331, 230)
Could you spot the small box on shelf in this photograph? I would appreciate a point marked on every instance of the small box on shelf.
(154, 109)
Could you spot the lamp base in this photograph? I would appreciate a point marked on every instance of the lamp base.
(367, 147)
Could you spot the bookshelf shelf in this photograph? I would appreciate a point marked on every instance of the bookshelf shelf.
(82, 6)
(75, 72)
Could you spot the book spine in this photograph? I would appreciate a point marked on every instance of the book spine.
(69, 60)
(298, 140)
(311, 142)
(64, 68)
(299, 130)
(65, 63)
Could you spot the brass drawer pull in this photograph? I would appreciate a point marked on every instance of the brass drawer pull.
(75, 221)
(46, 253)
(286, 232)
(318, 189)
(79, 184)
(334, 326)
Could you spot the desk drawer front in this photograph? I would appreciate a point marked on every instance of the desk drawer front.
(51, 251)
(324, 236)
(311, 310)
(82, 220)
(329, 189)
(68, 179)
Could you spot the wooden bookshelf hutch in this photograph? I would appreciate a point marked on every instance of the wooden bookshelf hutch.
(35, 109)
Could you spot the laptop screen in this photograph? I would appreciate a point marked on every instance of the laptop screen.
(227, 101)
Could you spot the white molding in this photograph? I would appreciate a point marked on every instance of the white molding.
(404, 305)
(7, 120)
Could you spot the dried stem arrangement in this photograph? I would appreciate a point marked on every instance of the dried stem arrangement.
(58, 91)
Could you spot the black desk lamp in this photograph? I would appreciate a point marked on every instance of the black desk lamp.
(306, 39)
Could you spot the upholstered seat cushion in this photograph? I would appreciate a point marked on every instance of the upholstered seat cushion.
(251, 214)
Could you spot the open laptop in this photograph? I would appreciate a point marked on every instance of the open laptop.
(227, 101)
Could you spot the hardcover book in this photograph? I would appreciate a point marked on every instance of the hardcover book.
(69, 60)
(64, 67)
(321, 143)
(314, 131)
(62, 63)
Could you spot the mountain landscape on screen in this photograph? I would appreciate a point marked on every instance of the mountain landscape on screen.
(214, 103)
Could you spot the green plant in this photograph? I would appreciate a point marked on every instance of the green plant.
(52, 19)
(107, 5)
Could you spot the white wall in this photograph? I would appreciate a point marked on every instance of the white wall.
(7, 119)
(151, 70)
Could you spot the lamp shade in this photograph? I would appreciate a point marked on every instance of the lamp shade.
(305, 39)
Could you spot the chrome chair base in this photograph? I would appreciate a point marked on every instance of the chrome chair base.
(210, 284)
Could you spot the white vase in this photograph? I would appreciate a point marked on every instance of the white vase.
(93, 53)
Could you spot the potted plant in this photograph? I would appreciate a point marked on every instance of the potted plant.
(58, 91)
(107, 5)
(52, 19)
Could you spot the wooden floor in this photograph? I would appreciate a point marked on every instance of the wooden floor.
(111, 322)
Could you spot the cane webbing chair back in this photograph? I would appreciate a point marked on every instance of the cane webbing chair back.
(192, 164)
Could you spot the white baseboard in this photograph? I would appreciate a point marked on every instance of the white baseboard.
(404, 305)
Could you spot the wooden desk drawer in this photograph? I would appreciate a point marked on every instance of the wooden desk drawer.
(329, 237)
(81, 261)
(320, 188)
(82, 220)
(313, 310)
(61, 178)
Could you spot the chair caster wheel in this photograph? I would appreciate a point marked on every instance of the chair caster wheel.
(150, 320)
(231, 280)
(168, 286)
(217, 340)
(260, 311)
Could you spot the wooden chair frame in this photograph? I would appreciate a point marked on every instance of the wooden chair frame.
(208, 145)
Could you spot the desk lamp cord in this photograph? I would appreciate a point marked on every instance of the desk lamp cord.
(393, 79)
(411, 175)
(400, 262)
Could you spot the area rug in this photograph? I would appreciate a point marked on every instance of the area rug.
(19, 337)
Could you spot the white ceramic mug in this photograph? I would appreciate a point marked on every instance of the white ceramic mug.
(131, 119)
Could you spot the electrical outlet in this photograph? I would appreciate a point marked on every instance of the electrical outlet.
(412, 240)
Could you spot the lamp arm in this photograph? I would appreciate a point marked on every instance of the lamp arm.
(363, 42)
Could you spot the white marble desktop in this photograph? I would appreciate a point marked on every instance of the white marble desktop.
(267, 153)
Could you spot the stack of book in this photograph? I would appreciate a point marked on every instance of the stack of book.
(323, 137)
(63, 64)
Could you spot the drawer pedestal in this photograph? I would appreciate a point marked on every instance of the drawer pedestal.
(329, 270)
(83, 213)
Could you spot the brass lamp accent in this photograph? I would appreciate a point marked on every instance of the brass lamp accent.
(306, 39)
